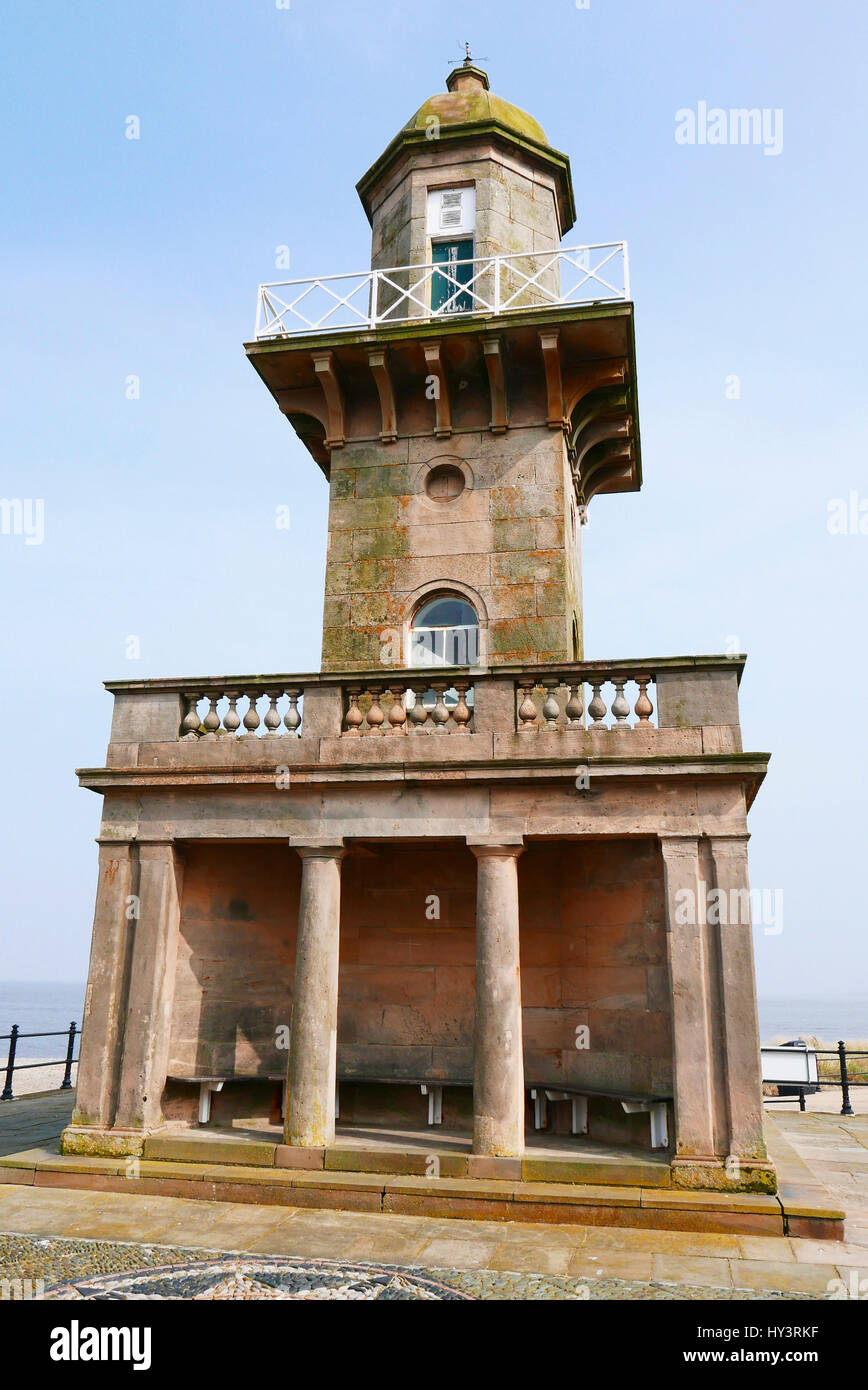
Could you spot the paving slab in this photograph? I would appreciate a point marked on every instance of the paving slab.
(692, 1269)
(613, 1264)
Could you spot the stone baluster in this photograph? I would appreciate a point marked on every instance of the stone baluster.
(418, 714)
(190, 722)
(551, 709)
(376, 717)
(526, 709)
(643, 709)
(440, 713)
(272, 718)
(211, 722)
(462, 713)
(620, 706)
(232, 719)
(292, 718)
(397, 713)
(251, 718)
(575, 706)
(354, 717)
(597, 707)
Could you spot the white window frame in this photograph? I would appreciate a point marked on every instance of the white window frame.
(462, 228)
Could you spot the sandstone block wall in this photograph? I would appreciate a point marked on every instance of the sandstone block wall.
(592, 955)
(515, 205)
(509, 543)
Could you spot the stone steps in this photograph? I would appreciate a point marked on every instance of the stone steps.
(611, 1171)
(597, 1204)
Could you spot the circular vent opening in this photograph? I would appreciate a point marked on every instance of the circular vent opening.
(445, 483)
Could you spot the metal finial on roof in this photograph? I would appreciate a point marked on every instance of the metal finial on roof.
(468, 58)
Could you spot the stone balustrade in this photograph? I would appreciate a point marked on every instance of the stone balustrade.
(576, 700)
(265, 711)
(656, 702)
(375, 707)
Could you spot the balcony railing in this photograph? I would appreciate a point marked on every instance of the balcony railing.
(661, 700)
(487, 285)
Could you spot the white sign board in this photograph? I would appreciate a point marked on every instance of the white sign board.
(793, 1066)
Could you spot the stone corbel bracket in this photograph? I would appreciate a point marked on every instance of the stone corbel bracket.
(493, 354)
(599, 438)
(549, 341)
(326, 370)
(306, 411)
(378, 361)
(442, 406)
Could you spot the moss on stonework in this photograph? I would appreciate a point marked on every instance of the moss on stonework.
(101, 1144)
(528, 639)
(383, 480)
(531, 500)
(343, 483)
(527, 566)
(352, 512)
(384, 543)
(344, 648)
(336, 612)
(377, 609)
(514, 535)
(706, 1177)
(359, 577)
(476, 104)
(340, 546)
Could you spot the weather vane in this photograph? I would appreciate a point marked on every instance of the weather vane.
(468, 59)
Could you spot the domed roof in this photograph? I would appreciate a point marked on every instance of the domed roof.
(469, 100)
(464, 115)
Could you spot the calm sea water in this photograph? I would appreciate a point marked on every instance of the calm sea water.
(47, 1007)
(842, 1016)
(50, 1007)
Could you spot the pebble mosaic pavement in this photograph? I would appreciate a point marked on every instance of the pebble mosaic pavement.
(108, 1270)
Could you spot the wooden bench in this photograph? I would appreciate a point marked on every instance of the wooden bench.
(430, 1087)
(433, 1088)
(208, 1085)
(655, 1106)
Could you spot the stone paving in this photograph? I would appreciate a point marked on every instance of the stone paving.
(62, 1235)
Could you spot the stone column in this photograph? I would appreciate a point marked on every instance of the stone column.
(743, 1076)
(99, 1061)
(498, 1065)
(311, 1075)
(688, 990)
(152, 987)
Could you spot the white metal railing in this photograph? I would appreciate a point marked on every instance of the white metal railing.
(486, 285)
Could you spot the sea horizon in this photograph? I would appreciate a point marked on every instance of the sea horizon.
(49, 1006)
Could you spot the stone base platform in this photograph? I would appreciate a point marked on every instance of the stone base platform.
(366, 1171)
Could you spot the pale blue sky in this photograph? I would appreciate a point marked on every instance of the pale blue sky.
(142, 257)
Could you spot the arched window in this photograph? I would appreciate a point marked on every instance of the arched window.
(445, 632)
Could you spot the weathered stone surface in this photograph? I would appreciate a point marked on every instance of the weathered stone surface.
(432, 952)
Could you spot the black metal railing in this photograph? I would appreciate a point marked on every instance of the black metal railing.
(67, 1062)
(793, 1090)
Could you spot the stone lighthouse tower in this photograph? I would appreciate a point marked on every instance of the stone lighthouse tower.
(461, 876)
(463, 436)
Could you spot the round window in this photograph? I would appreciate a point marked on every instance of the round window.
(445, 482)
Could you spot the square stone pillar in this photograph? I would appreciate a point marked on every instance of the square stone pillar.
(311, 1073)
(693, 1063)
(104, 1005)
(743, 1072)
(152, 986)
(498, 1064)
